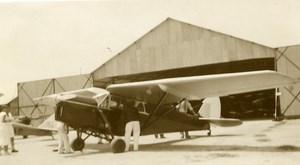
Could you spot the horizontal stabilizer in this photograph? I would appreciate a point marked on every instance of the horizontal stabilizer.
(222, 122)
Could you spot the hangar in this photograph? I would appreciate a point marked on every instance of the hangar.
(176, 49)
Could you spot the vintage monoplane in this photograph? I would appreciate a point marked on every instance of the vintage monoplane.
(99, 112)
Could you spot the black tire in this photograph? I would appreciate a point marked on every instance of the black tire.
(117, 145)
(78, 144)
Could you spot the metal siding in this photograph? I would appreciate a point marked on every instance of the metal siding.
(27, 91)
(72, 83)
(174, 44)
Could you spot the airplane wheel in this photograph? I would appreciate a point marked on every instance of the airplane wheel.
(78, 144)
(117, 145)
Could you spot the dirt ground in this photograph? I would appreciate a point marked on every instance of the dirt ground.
(254, 142)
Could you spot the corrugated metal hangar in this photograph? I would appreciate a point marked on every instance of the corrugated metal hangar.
(177, 49)
(27, 91)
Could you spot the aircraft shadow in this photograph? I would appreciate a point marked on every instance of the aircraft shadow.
(104, 148)
(199, 148)
(170, 147)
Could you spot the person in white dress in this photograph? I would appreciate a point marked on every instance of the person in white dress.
(4, 130)
(11, 130)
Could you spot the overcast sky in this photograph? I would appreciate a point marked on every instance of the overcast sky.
(42, 39)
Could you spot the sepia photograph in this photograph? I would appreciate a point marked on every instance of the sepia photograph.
(143, 82)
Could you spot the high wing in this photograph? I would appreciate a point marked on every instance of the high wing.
(199, 87)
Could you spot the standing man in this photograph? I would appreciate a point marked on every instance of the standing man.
(184, 107)
(64, 146)
(132, 125)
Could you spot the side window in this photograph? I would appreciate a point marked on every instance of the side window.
(141, 107)
(101, 99)
(105, 103)
(115, 103)
(59, 110)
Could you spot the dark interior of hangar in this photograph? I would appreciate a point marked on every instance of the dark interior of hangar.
(251, 105)
(258, 104)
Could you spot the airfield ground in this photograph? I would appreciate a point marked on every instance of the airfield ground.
(255, 142)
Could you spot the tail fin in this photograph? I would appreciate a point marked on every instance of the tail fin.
(211, 108)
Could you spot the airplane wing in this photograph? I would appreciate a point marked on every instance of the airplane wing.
(199, 87)
(23, 129)
(48, 127)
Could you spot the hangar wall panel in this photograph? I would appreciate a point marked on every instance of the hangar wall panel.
(288, 62)
(174, 44)
(27, 91)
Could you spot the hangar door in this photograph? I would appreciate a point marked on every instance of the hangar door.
(288, 62)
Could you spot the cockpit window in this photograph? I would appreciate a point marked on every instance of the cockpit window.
(101, 98)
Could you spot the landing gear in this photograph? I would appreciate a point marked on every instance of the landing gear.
(78, 144)
(117, 145)
(209, 133)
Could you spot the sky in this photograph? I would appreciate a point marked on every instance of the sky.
(42, 39)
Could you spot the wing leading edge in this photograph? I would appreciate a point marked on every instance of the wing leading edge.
(199, 87)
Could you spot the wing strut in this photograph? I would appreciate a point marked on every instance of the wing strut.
(165, 114)
(156, 108)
